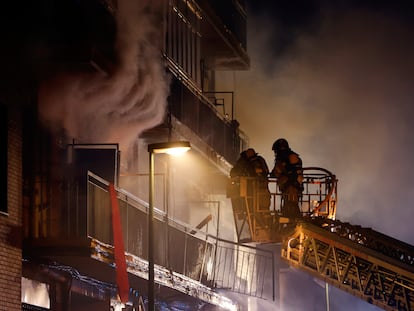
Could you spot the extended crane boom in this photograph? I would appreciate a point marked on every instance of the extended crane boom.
(366, 263)
(361, 261)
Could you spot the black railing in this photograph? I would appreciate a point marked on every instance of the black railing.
(199, 114)
(233, 16)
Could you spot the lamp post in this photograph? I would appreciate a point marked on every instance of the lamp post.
(173, 148)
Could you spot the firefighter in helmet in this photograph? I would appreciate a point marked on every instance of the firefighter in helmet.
(243, 165)
(261, 172)
(289, 173)
(251, 164)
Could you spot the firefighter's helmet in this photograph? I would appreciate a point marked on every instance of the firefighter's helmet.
(250, 152)
(280, 144)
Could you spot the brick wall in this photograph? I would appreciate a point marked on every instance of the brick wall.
(11, 222)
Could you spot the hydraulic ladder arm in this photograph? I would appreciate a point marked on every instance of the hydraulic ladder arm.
(361, 261)
(366, 263)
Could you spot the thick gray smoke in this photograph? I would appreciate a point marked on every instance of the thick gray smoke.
(341, 93)
(115, 107)
(342, 96)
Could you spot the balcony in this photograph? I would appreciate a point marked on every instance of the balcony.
(195, 267)
(224, 30)
(198, 114)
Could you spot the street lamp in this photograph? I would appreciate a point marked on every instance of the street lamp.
(173, 148)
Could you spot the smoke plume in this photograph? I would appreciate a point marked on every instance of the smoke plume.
(116, 106)
(342, 96)
(338, 88)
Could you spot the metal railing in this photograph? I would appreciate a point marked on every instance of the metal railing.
(244, 269)
(257, 205)
(196, 112)
(319, 196)
(214, 262)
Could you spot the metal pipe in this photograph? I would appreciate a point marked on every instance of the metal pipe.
(151, 304)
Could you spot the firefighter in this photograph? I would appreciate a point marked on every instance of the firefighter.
(261, 172)
(251, 164)
(289, 173)
(243, 166)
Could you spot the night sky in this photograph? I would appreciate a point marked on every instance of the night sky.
(335, 78)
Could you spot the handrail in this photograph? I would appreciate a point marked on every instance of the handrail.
(204, 258)
(259, 218)
(329, 194)
(326, 177)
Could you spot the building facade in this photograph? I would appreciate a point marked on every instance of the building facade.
(86, 86)
(11, 211)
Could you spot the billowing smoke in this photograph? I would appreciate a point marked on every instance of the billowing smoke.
(342, 96)
(116, 106)
(339, 88)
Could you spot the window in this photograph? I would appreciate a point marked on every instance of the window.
(34, 294)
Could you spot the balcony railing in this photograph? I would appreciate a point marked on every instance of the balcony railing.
(199, 114)
(258, 213)
(195, 254)
(233, 16)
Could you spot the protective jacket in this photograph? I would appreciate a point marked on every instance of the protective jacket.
(242, 167)
(288, 169)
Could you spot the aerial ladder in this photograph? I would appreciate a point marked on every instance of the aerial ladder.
(363, 262)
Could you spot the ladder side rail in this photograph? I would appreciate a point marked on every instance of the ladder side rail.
(319, 193)
(374, 240)
(365, 273)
